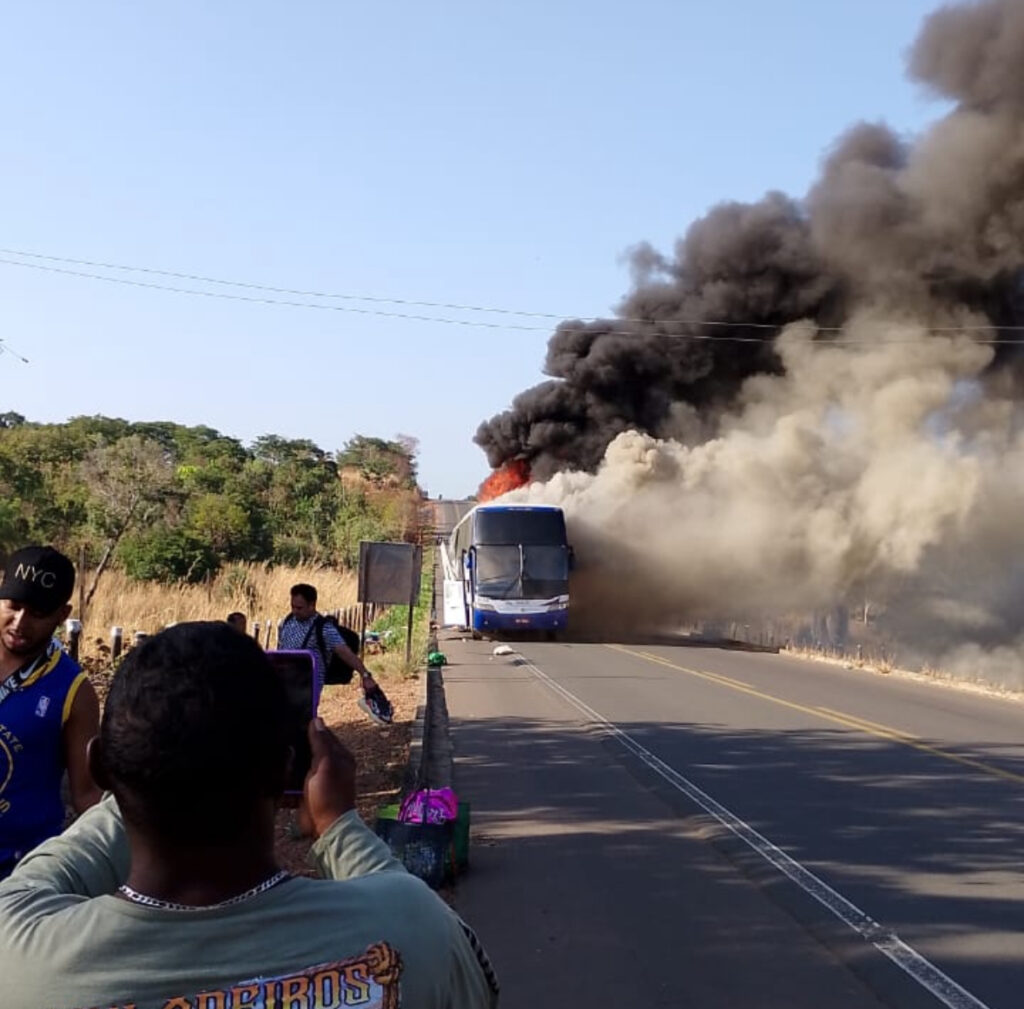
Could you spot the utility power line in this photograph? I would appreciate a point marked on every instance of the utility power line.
(298, 292)
(6, 348)
(660, 325)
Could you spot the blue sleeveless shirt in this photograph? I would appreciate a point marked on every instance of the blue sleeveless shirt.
(32, 756)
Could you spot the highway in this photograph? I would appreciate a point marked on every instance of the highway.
(447, 513)
(680, 826)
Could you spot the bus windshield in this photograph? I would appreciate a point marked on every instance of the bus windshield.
(530, 572)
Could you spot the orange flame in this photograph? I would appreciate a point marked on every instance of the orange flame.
(513, 474)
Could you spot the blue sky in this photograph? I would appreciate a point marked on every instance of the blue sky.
(490, 154)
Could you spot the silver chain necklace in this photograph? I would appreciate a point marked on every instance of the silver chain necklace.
(169, 905)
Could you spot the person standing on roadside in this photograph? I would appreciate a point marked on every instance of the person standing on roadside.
(238, 621)
(48, 708)
(305, 628)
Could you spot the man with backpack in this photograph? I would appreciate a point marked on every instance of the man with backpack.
(305, 628)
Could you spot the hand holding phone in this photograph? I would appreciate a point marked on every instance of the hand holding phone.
(330, 789)
(300, 673)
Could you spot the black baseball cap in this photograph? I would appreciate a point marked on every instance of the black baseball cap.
(40, 577)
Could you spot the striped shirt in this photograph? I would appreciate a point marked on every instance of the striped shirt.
(302, 634)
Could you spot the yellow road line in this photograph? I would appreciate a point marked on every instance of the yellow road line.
(899, 736)
(829, 715)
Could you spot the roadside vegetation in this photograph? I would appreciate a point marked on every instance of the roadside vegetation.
(168, 523)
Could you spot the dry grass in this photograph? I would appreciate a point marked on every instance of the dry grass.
(258, 590)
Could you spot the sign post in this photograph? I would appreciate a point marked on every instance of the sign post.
(389, 573)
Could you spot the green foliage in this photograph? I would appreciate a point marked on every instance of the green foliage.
(392, 624)
(357, 520)
(381, 461)
(12, 524)
(221, 522)
(166, 554)
(170, 502)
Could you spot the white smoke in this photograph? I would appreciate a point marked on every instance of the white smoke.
(869, 462)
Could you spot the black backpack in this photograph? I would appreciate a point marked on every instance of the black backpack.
(337, 669)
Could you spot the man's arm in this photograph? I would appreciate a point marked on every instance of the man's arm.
(472, 981)
(81, 725)
(348, 848)
(344, 846)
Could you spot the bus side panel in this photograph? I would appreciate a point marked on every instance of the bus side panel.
(454, 604)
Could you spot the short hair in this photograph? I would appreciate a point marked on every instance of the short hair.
(194, 733)
(232, 617)
(306, 591)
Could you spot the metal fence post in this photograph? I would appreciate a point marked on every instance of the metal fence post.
(73, 629)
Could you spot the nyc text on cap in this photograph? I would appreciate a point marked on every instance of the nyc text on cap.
(39, 576)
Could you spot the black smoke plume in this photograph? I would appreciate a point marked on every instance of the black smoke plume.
(929, 231)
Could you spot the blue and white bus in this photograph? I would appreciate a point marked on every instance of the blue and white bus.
(506, 568)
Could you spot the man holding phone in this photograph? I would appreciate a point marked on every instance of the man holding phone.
(166, 895)
(304, 627)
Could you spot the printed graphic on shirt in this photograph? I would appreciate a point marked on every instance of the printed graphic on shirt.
(42, 706)
(9, 746)
(6, 770)
(367, 981)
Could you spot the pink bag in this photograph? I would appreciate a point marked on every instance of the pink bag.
(429, 805)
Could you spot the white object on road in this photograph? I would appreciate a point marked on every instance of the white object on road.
(503, 650)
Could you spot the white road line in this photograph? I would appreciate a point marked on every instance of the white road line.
(923, 971)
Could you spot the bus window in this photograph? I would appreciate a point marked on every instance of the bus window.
(520, 525)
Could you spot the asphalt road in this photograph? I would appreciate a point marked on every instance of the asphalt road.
(670, 826)
(448, 513)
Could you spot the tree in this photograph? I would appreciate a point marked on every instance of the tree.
(381, 461)
(221, 523)
(165, 554)
(274, 449)
(168, 501)
(129, 484)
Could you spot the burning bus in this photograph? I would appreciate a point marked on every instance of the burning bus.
(506, 569)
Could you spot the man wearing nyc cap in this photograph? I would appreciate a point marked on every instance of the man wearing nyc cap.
(48, 709)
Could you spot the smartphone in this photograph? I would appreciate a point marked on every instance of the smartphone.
(300, 672)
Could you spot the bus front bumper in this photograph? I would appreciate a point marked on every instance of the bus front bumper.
(493, 621)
